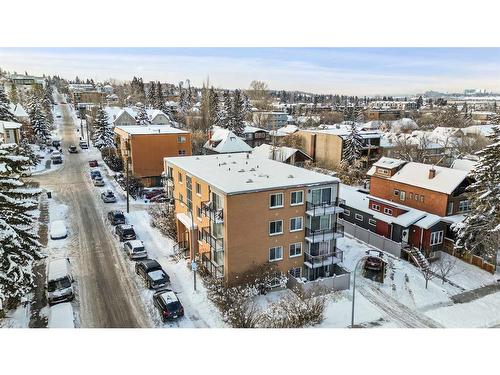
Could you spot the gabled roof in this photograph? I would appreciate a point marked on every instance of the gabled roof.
(224, 141)
(17, 110)
(9, 125)
(390, 163)
(464, 164)
(150, 129)
(280, 153)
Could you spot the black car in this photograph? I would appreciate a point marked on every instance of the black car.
(151, 272)
(125, 232)
(72, 149)
(116, 217)
(94, 174)
(168, 305)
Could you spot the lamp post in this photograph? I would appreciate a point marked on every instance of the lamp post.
(127, 186)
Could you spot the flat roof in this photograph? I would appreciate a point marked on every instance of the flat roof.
(244, 172)
(150, 129)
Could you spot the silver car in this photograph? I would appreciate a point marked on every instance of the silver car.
(98, 181)
(108, 197)
(135, 249)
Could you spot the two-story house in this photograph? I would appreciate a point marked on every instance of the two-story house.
(10, 132)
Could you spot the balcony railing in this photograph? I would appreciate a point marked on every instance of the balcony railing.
(216, 244)
(313, 261)
(216, 270)
(320, 235)
(324, 208)
(215, 214)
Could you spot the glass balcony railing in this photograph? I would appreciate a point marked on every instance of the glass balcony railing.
(215, 214)
(324, 208)
(320, 235)
(216, 244)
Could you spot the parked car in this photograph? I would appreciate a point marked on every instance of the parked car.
(58, 116)
(98, 181)
(151, 193)
(59, 282)
(374, 263)
(56, 143)
(159, 198)
(151, 272)
(116, 217)
(93, 163)
(108, 196)
(95, 173)
(56, 157)
(26, 173)
(72, 149)
(135, 249)
(84, 145)
(57, 230)
(168, 305)
(61, 316)
(125, 232)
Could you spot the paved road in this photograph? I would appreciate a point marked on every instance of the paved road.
(107, 297)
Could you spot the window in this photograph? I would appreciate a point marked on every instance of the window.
(179, 177)
(382, 171)
(358, 217)
(411, 195)
(181, 139)
(417, 197)
(296, 198)
(320, 196)
(276, 280)
(387, 211)
(449, 210)
(181, 199)
(198, 212)
(375, 207)
(320, 222)
(296, 272)
(198, 189)
(464, 206)
(436, 238)
(402, 195)
(182, 152)
(275, 253)
(422, 198)
(295, 249)
(396, 192)
(276, 200)
(347, 213)
(296, 224)
(275, 227)
(372, 222)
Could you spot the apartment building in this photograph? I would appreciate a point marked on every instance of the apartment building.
(255, 136)
(270, 120)
(146, 146)
(236, 212)
(384, 114)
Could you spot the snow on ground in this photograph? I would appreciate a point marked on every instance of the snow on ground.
(17, 318)
(468, 276)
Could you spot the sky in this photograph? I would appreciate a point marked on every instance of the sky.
(350, 71)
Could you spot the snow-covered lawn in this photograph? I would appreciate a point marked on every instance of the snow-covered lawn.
(468, 276)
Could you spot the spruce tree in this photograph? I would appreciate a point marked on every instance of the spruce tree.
(38, 120)
(353, 146)
(103, 134)
(225, 109)
(213, 108)
(19, 246)
(160, 99)
(142, 116)
(237, 113)
(5, 113)
(479, 233)
(24, 149)
(152, 95)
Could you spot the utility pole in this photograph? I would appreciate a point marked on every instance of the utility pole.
(127, 187)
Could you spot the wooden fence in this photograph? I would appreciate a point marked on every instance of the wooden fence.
(468, 258)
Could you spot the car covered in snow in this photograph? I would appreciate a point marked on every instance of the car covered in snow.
(98, 181)
(93, 163)
(116, 217)
(160, 198)
(374, 263)
(152, 273)
(72, 149)
(59, 282)
(84, 145)
(26, 173)
(58, 230)
(61, 316)
(56, 142)
(94, 173)
(108, 196)
(135, 249)
(168, 305)
(125, 232)
(56, 157)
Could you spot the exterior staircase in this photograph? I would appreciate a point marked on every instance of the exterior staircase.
(419, 258)
(181, 248)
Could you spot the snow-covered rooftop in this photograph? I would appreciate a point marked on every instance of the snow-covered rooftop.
(9, 125)
(280, 153)
(17, 110)
(464, 164)
(150, 129)
(385, 162)
(225, 141)
(244, 172)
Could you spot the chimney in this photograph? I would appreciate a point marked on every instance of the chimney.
(432, 173)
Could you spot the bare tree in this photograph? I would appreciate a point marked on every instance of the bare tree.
(445, 266)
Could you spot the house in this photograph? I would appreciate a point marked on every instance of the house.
(236, 212)
(283, 154)
(19, 113)
(119, 116)
(10, 132)
(284, 131)
(146, 146)
(22, 83)
(224, 141)
(255, 136)
(384, 114)
(325, 144)
(270, 120)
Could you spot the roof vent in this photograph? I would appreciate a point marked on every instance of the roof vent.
(249, 181)
(290, 176)
(252, 169)
(241, 170)
(223, 163)
(432, 173)
(233, 162)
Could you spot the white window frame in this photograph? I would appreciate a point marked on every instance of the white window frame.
(274, 248)
(388, 211)
(282, 200)
(197, 185)
(290, 250)
(437, 238)
(301, 224)
(463, 203)
(179, 177)
(372, 222)
(277, 233)
(376, 207)
(292, 272)
(291, 195)
(347, 212)
(181, 139)
(402, 195)
(358, 216)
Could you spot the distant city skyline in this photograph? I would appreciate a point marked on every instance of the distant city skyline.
(349, 71)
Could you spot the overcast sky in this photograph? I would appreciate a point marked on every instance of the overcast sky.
(357, 71)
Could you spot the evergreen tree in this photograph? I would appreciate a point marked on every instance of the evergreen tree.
(353, 114)
(353, 146)
(14, 94)
(183, 102)
(152, 94)
(213, 108)
(237, 114)
(38, 119)
(479, 233)
(142, 116)
(103, 134)
(5, 113)
(19, 246)
(160, 100)
(225, 109)
(24, 149)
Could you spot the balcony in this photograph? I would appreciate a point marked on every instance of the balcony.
(321, 235)
(216, 244)
(216, 270)
(324, 208)
(314, 261)
(215, 214)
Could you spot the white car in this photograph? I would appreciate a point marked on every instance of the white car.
(61, 316)
(58, 230)
(108, 196)
(135, 249)
(98, 181)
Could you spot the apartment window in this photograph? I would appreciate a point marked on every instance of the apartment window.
(372, 222)
(296, 272)
(436, 238)
(276, 280)
(198, 188)
(396, 192)
(417, 197)
(181, 139)
(296, 198)
(275, 253)
(198, 212)
(182, 152)
(295, 249)
(464, 206)
(322, 196)
(375, 207)
(296, 224)
(347, 212)
(181, 199)
(179, 177)
(411, 195)
(358, 217)
(275, 227)
(449, 210)
(422, 198)
(402, 195)
(387, 211)
(276, 200)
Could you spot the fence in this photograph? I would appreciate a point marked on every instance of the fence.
(371, 238)
(322, 286)
(468, 258)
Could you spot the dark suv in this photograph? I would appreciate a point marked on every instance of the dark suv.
(125, 232)
(168, 305)
(116, 217)
(151, 272)
(94, 173)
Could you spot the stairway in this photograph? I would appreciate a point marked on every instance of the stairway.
(419, 258)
